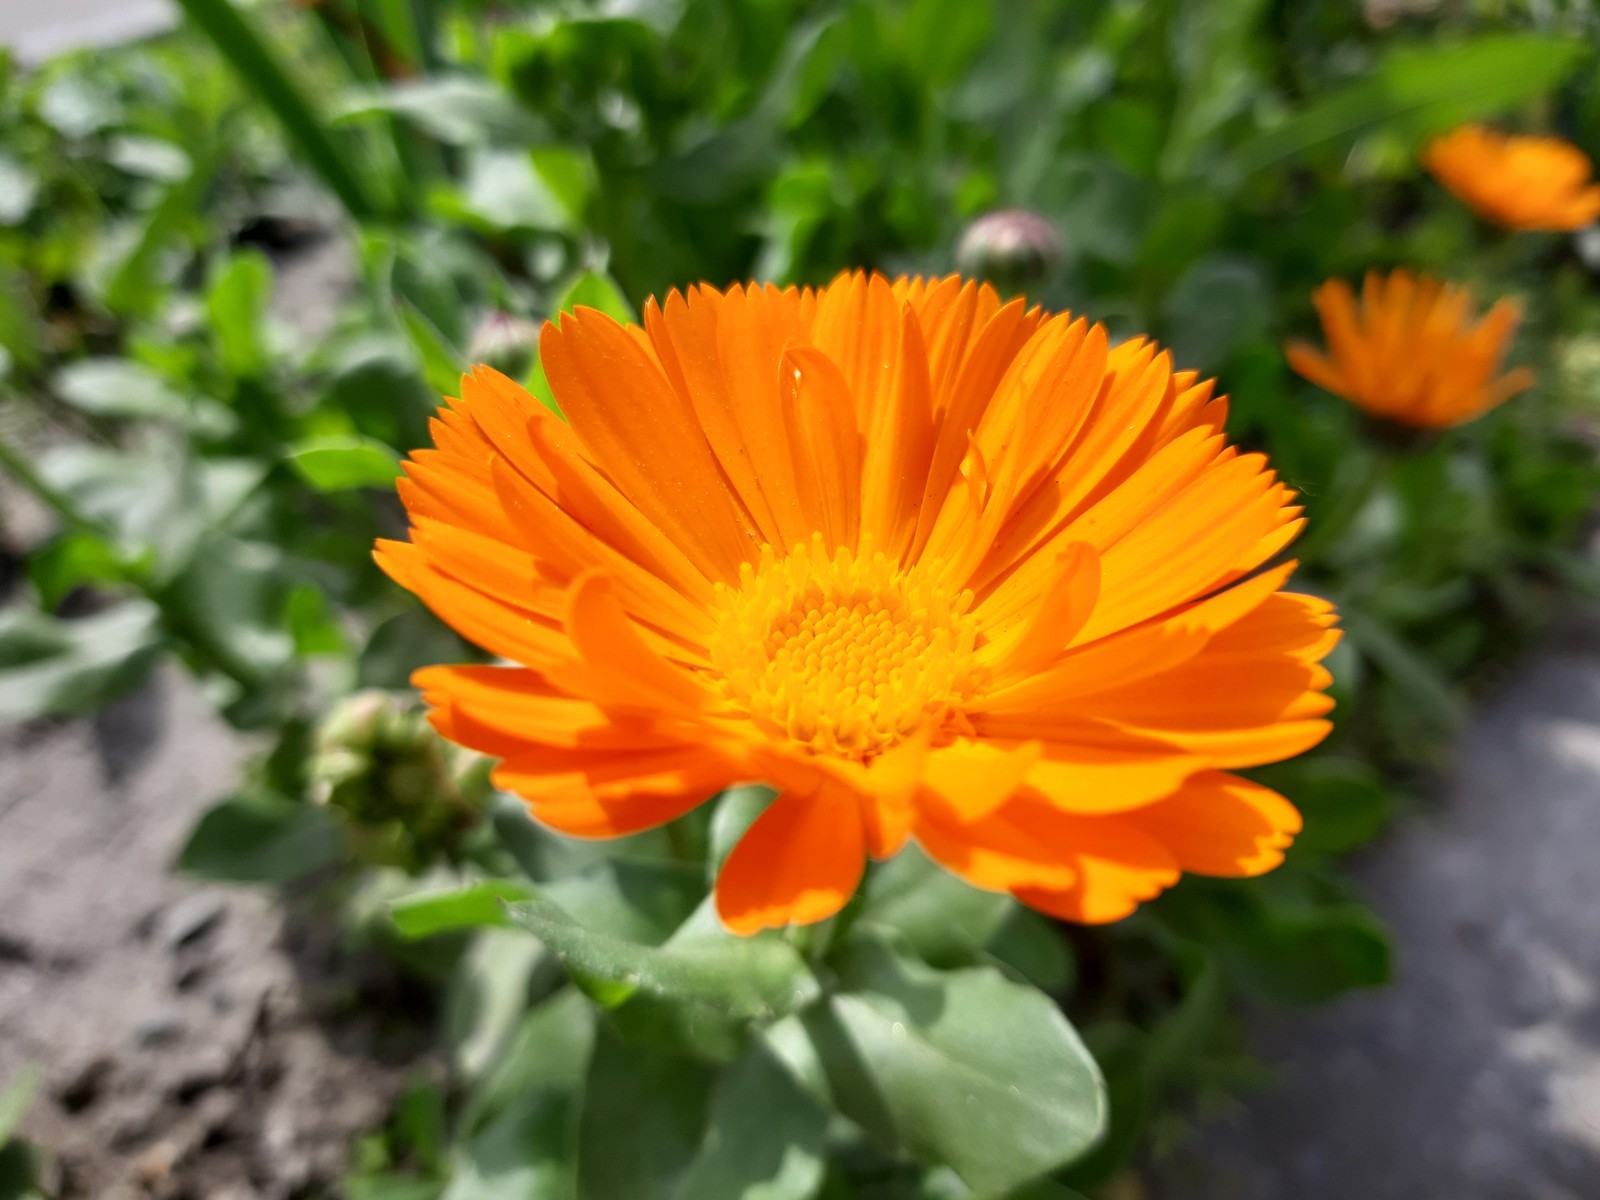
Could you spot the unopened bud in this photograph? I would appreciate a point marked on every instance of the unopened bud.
(1381, 14)
(504, 341)
(407, 794)
(1011, 248)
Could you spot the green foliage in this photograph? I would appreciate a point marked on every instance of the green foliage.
(218, 462)
(261, 839)
(21, 1164)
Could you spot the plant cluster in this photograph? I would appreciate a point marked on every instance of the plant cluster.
(196, 473)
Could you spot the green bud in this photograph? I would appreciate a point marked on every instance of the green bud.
(407, 794)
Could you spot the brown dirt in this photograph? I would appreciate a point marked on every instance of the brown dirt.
(196, 1041)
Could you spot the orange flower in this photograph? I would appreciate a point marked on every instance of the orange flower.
(931, 566)
(1412, 350)
(1518, 182)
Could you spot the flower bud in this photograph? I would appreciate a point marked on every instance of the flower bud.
(1011, 248)
(407, 795)
(504, 341)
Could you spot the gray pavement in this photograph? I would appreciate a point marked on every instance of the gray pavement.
(1476, 1076)
(36, 29)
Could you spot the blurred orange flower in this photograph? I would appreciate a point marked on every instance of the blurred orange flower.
(1412, 350)
(1518, 182)
(932, 566)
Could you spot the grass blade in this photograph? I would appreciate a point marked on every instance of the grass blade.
(242, 46)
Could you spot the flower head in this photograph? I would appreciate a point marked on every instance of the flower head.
(1411, 350)
(1518, 182)
(932, 566)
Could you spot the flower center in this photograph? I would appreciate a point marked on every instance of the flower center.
(848, 653)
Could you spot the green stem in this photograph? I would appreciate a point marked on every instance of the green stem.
(259, 67)
(17, 463)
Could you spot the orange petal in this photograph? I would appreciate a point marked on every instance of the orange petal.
(647, 436)
(592, 795)
(970, 779)
(824, 445)
(615, 660)
(1046, 601)
(1118, 866)
(800, 862)
(1221, 824)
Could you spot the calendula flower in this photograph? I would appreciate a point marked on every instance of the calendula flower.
(1518, 182)
(1412, 350)
(932, 566)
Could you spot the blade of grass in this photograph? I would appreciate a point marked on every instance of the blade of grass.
(1419, 91)
(346, 32)
(244, 49)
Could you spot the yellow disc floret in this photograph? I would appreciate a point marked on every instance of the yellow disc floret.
(845, 653)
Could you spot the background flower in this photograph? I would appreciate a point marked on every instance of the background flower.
(1518, 182)
(1412, 350)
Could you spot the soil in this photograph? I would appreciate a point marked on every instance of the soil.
(196, 1041)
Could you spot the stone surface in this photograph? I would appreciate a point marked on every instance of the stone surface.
(1476, 1076)
(34, 30)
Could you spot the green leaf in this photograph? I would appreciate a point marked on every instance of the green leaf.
(442, 362)
(471, 906)
(337, 464)
(736, 810)
(71, 561)
(392, 1187)
(149, 157)
(503, 190)
(594, 289)
(1291, 937)
(524, 1155)
(1419, 91)
(549, 1050)
(252, 838)
(764, 1139)
(164, 499)
(964, 1068)
(752, 978)
(460, 110)
(1344, 801)
(934, 913)
(644, 1110)
(23, 1169)
(405, 642)
(18, 189)
(1220, 304)
(1045, 1189)
(118, 387)
(313, 623)
(50, 667)
(568, 173)
(738, 155)
(488, 994)
(636, 900)
(132, 282)
(17, 1098)
(1423, 684)
(236, 302)
(227, 603)
(1034, 947)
